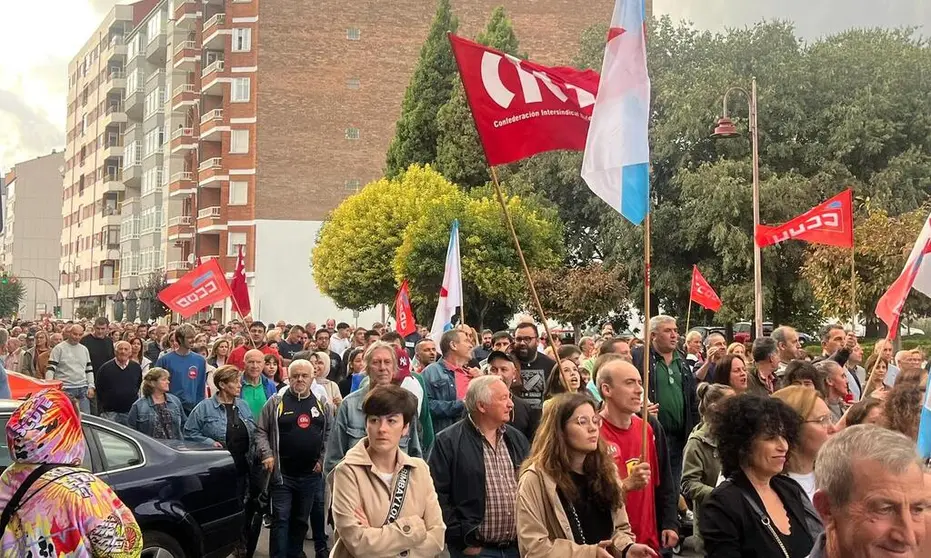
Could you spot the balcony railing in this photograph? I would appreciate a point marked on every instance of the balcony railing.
(181, 221)
(207, 257)
(182, 177)
(107, 280)
(109, 210)
(215, 114)
(216, 66)
(177, 266)
(116, 74)
(186, 45)
(209, 213)
(182, 132)
(214, 163)
(182, 89)
(115, 107)
(155, 75)
(112, 176)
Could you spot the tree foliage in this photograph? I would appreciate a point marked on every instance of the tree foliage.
(355, 248)
(882, 245)
(491, 270)
(12, 294)
(582, 296)
(430, 88)
(150, 288)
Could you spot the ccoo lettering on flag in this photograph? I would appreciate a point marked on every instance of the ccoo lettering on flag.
(404, 316)
(702, 293)
(521, 108)
(203, 286)
(830, 222)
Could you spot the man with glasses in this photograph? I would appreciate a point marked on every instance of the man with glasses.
(188, 369)
(534, 365)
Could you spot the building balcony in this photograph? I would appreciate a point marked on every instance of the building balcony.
(175, 270)
(113, 115)
(132, 174)
(112, 180)
(115, 49)
(211, 172)
(211, 126)
(183, 140)
(116, 81)
(186, 13)
(181, 227)
(156, 51)
(208, 257)
(215, 32)
(209, 220)
(181, 184)
(183, 97)
(186, 56)
(129, 206)
(212, 79)
(112, 148)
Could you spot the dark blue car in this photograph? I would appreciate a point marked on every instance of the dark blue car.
(183, 497)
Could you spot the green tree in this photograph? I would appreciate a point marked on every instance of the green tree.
(352, 259)
(582, 296)
(149, 288)
(430, 88)
(491, 271)
(459, 154)
(12, 293)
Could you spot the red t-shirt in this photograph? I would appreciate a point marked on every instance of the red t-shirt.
(237, 357)
(624, 446)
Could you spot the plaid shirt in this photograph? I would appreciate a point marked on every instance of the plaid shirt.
(500, 523)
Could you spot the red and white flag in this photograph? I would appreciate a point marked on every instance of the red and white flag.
(240, 290)
(702, 293)
(916, 275)
(451, 291)
(521, 108)
(403, 313)
(203, 286)
(828, 223)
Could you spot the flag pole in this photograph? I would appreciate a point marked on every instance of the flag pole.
(646, 336)
(853, 290)
(688, 316)
(523, 263)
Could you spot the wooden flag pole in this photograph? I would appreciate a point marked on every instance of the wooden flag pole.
(688, 316)
(523, 263)
(853, 290)
(646, 337)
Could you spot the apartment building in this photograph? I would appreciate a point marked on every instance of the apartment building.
(31, 236)
(273, 113)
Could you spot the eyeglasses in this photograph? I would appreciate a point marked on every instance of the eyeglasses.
(824, 421)
(524, 339)
(595, 420)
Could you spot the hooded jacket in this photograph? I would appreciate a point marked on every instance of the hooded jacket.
(419, 530)
(68, 511)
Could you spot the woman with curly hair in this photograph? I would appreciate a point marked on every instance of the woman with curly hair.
(757, 512)
(903, 409)
(731, 371)
(569, 480)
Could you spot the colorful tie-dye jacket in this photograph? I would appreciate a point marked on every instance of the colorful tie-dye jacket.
(68, 512)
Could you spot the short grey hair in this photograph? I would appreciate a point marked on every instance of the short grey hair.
(480, 392)
(657, 321)
(301, 363)
(827, 366)
(714, 334)
(692, 334)
(4, 336)
(779, 334)
(894, 451)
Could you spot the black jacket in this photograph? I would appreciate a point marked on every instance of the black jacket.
(732, 529)
(688, 387)
(524, 418)
(457, 464)
(667, 493)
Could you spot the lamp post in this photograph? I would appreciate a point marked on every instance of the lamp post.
(725, 129)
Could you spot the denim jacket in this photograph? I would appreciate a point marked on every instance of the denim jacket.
(440, 384)
(143, 417)
(207, 422)
(349, 428)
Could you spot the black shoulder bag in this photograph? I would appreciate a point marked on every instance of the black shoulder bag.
(400, 493)
(17, 498)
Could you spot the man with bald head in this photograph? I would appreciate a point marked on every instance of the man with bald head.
(256, 387)
(118, 382)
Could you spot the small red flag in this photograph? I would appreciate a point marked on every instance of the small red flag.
(702, 293)
(521, 108)
(203, 286)
(828, 223)
(239, 289)
(403, 312)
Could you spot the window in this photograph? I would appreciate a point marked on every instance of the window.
(353, 34)
(154, 102)
(353, 184)
(117, 452)
(239, 141)
(353, 133)
(237, 239)
(152, 143)
(240, 90)
(154, 27)
(353, 83)
(242, 40)
(239, 192)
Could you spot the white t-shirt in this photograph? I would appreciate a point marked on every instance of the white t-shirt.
(807, 481)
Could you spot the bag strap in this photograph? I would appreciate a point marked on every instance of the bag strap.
(400, 493)
(764, 519)
(14, 502)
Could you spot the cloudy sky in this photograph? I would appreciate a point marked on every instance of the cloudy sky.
(39, 37)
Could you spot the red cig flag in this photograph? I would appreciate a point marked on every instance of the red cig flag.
(828, 223)
(522, 108)
(239, 289)
(702, 293)
(403, 312)
(203, 286)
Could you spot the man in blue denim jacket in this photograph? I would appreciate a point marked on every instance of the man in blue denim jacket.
(447, 379)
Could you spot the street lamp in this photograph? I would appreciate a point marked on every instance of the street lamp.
(725, 129)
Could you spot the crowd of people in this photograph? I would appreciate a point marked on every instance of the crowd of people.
(499, 444)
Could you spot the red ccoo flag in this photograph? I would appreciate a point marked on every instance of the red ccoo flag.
(203, 286)
(521, 108)
(239, 289)
(828, 223)
(915, 275)
(702, 293)
(403, 312)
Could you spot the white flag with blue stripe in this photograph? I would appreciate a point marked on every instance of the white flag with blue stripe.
(451, 291)
(617, 152)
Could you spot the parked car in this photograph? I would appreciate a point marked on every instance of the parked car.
(22, 386)
(182, 495)
(742, 333)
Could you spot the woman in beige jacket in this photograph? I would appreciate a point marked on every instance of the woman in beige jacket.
(384, 503)
(569, 498)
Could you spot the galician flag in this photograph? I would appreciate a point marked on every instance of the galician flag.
(451, 291)
(617, 153)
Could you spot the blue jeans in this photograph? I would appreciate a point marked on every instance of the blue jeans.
(293, 501)
(80, 395)
(510, 552)
(676, 447)
(120, 418)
